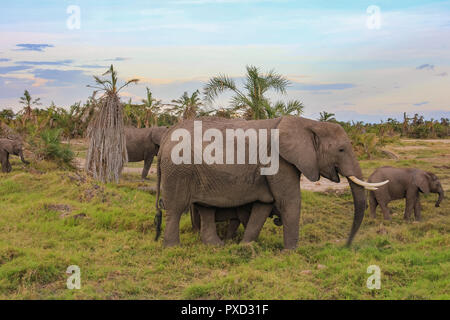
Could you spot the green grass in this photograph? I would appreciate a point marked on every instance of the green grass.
(49, 221)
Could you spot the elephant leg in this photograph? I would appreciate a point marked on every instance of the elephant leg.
(259, 215)
(373, 204)
(233, 225)
(208, 231)
(243, 216)
(411, 197)
(195, 218)
(172, 232)
(285, 187)
(386, 211)
(290, 216)
(6, 166)
(147, 165)
(417, 209)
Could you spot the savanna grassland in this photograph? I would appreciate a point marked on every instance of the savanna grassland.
(52, 218)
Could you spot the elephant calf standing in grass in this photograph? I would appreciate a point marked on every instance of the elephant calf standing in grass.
(404, 183)
(8, 147)
(143, 145)
(234, 216)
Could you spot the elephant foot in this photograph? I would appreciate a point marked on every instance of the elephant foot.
(214, 242)
(170, 243)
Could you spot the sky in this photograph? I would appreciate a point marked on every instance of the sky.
(362, 60)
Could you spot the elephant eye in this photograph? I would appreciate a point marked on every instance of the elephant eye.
(341, 150)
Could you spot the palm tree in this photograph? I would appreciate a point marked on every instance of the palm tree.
(152, 108)
(252, 101)
(107, 153)
(327, 117)
(293, 107)
(28, 102)
(187, 107)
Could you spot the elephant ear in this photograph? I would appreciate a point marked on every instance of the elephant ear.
(422, 181)
(158, 134)
(298, 146)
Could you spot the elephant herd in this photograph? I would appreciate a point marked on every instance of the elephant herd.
(240, 193)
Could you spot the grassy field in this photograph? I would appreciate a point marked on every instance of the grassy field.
(51, 219)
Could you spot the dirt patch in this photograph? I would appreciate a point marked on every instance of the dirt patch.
(427, 140)
(58, 207)
(324, 185)
(79, 163)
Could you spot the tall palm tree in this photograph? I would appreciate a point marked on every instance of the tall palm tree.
(152, 108)
(187, 107)
(107, 153)
(28, 102)
(252, 101)
(327, 117)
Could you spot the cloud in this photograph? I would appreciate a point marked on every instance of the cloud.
(46, 63)
(13, 88)
(33, 47)
(4, 59)
(443, 74)
(61, 78)
(92, 66)
(425, 67)
(319, 87)
(5, 70)
(420, 103)
(118, 59)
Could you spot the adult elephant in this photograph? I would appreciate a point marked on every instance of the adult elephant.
(7, 147)
(306, 147)
(143, 145)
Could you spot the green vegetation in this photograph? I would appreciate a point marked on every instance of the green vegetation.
(51, 219)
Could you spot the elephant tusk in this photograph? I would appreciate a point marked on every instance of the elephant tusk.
(368, 185)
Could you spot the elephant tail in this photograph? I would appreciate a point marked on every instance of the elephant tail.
(158, 216)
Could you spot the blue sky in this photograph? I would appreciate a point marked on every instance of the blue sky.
(333, 59)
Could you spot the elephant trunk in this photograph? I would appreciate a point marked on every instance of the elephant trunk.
(359, 202)
(441, 197)
(22, 158)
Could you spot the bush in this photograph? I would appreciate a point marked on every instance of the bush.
(49, 147)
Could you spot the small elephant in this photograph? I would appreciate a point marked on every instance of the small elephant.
(403, 183)
(235, 216)
(143, 145)
(8, 147)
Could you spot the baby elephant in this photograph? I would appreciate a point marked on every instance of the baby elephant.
(403, 183)
(8, 147)
(234, 216)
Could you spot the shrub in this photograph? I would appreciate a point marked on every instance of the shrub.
(48, 147)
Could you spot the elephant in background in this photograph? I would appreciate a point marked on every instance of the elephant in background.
(306, 147)
(234, 216)
(143, 145)
(7, 147)
(404, 183)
